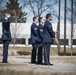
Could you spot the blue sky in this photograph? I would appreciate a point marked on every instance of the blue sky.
(54, 11)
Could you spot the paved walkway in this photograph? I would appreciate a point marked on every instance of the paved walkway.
(25, 60)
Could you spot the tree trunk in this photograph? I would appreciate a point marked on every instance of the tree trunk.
(58, 27)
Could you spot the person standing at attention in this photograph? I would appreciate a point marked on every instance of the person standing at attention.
(49, 36)
(40, 44)
(34, 39)
(6, 36)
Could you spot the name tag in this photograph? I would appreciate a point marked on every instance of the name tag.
(35, 28)
(41, 30)
(50, 26)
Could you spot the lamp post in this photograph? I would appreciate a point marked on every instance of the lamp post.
(64, 27)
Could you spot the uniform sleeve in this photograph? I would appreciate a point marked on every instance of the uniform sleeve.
(50, 30)
(8, 21)
(5, 24)
(40, 30)
(34, 30)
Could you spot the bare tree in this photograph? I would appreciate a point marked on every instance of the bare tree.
(15, 28)
(38, 7)
(71, 12)
(72, 19)
(58, 26)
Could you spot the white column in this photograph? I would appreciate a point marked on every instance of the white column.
(26, 41)
(69, 41)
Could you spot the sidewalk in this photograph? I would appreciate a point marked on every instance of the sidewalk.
(18, 61)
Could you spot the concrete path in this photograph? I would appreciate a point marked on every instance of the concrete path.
(57, 67)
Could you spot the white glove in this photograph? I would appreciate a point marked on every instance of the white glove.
(9, 16)
(6, 18)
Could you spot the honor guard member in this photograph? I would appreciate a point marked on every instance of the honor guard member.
(34, 39)
(49, 35)
(40, 44)
(6, 35)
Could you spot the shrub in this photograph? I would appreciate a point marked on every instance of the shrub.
(67, 53)
(23, 53)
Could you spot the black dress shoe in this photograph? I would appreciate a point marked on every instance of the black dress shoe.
(39, 63)
(44, 64)
(4, 61)
(34, 62)
(50, 64)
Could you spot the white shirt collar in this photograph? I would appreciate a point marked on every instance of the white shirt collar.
(36, 23)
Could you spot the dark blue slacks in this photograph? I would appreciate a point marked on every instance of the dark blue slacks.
(47, 53)
(40, 54)
(33, 55)
(5, 50)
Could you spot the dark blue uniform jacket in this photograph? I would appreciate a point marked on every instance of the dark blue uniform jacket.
(40, 32)
(49, 34)
(6, 34)
(34, 39)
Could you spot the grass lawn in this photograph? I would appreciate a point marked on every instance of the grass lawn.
(27, 50)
